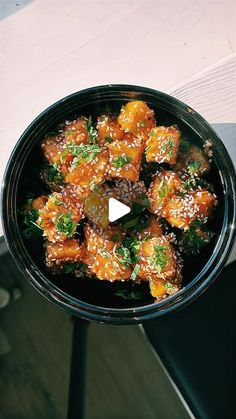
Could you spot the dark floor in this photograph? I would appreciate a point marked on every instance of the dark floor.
(124, 378)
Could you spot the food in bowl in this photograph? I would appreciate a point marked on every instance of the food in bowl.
(152, 169)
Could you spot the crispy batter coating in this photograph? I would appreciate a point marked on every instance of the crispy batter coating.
(125, 159)
(88, 174)
(96, 205)
(60, 215)
(75, 132)
(154, 229)
(69, 250)
(55, 151)
(180, 211)
(39, 202)
(136, 117)
(164, 185)
(157, 259)
(160, 289)
(157, 287)
(98, 238)
(128, 192)
(107, 266)
(163, 144)
(108, 129)
(192, 160)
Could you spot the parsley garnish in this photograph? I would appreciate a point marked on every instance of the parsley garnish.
(83, 152)
(32, 229)
(163, 192)
(56, 200)
(54, 174)
(135, 272)
(91, 130)
(193, 166)
(144, 200)
(121, 161)
(160, 258)
(130, 223)
(115, 238)
(195, 238)
(108, 140)
(195, 182)
(105, 118)
(180, 194)
(132, 243)
(169, 286)
(104, 252)
(124, 252)
(143, 123)
(69, 267)
(65, 224)
(168, 147)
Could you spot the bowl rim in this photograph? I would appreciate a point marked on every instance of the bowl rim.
(132, 314)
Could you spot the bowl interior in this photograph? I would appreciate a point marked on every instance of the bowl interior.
(104, 293)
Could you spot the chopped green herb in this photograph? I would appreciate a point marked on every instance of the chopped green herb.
(55, 200)
(83, 152)
(160, 259)
(130, 223)
(115, 238)
(168, 147)
(132, 243)
(54, 174)
(69, 267)
(129, 295)
(193, 166)
(143, 123)
(104, 252)
(121, 161)
(144, 200)
(63, 156)
(135, 272)
(31, 229)
(65, 224)
(195, 182)
(105, 118)
(169, 286)
(152, 133)
(195, 238)
(124, 252)
(180, 194)
(163, 191)
(91, 130)
(191, 184)
(108, 140)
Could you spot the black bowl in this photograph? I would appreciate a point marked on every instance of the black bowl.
(98, 300)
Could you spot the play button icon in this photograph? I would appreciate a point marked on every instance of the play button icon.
(116, 209)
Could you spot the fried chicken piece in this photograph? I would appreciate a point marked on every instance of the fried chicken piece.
(108, 130)
(136, 117)
(125, 159)
(181, 211)
(163, 144)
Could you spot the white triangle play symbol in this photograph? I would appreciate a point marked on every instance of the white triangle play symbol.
(116, 209)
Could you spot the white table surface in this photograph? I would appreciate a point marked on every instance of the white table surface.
(49, 49)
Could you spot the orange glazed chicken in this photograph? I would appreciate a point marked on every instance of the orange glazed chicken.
(134, 158)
